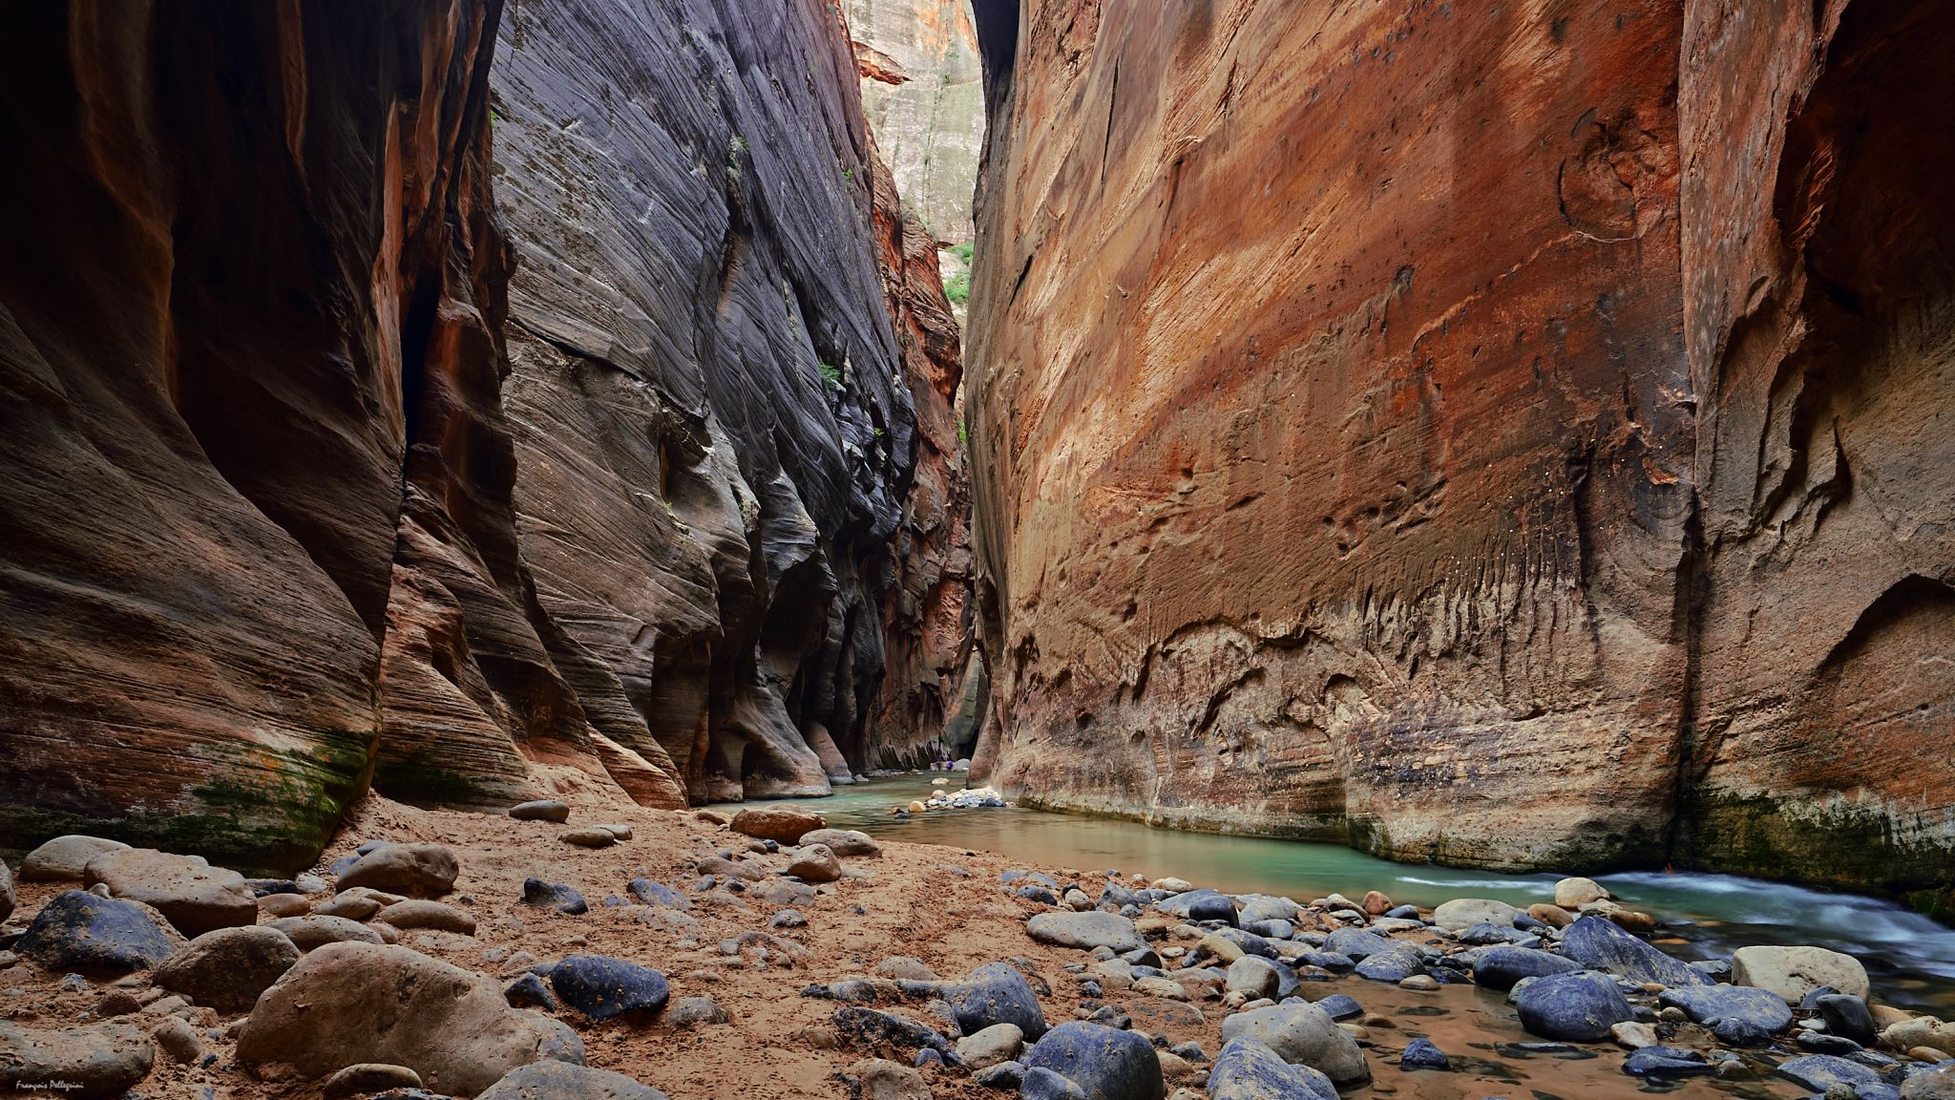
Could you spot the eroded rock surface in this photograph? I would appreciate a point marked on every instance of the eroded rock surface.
(304, 490)
(1441, 430)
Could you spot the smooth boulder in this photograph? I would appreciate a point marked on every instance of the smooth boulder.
(562, 896)
(315, 931)
(417, 913)
(1501, 967)
(65, 857)
(1573, 893)
(190, 893)
(1760, 1009)
(1463, 913)
(990, 1046)
(543, 809)
(7, 895)
(1794, 972)
(369, 1077)
(1305, 1035)
(784, 824)
(349, 1003)
(563, 1081)
(1105, 1063)
(1599, 944)
(80, 931)
(1085, 931)
(229, 968)
(604, 988)
(1247, 1069)
(104, 1060)
(995, 993)
(847, 843)
(1575, 1008)
(815, 863)
(412, 870)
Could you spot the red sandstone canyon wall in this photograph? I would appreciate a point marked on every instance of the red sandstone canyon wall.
(1393, 425)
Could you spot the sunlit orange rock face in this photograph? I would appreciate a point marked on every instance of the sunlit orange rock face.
(1363, 452)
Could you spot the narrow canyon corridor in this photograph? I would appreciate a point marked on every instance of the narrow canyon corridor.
(902, 548)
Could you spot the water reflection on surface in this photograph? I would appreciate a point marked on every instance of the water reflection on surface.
(1911, 959)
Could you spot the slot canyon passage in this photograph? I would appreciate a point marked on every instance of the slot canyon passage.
(1326, 474)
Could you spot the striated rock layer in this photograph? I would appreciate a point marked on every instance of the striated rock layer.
(1445, 431)
(716, 420)
(293, 510)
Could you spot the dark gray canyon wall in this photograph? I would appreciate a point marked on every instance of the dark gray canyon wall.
(292, 509)
(1507, 440)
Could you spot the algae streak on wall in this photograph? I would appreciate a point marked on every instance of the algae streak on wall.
(1438, 428)
(291, 509)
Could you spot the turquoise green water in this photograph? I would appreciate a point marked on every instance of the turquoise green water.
(1911, 959)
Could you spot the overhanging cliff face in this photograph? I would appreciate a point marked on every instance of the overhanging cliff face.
(1337, 384)
(1819, 284)
(293, 510)
(716, 422)
(246, 309)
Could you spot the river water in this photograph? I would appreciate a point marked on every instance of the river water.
(1910, 958)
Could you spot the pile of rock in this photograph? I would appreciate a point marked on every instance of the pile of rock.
(1589, 978)
(322, 988)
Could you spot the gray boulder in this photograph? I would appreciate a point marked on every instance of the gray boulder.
(1501, 967)
(562, 1081)
(1303, 1034)
(995, 993)
(1085, 931)
(1599, 944)
(1105, 1063)
(80, 931)
(1759, 1008)
(1249, 1070)
(1577, 1008)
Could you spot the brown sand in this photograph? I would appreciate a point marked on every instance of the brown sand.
(913, 900)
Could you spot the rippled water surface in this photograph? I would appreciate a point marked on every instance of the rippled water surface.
(1911, 958)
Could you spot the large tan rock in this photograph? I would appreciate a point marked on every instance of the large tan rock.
(65, 857)
(187, 890)
(316, 930)
(786, 824)
(104, 1060)
(416, 870)
(227, 969)
(1793, 972)
(1573, 893)
(349, 1003)
(1462, 913)
(1922, 1031)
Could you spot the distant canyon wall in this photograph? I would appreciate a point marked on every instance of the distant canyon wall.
(922, 87)
(1444, 430)
(392, 404)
